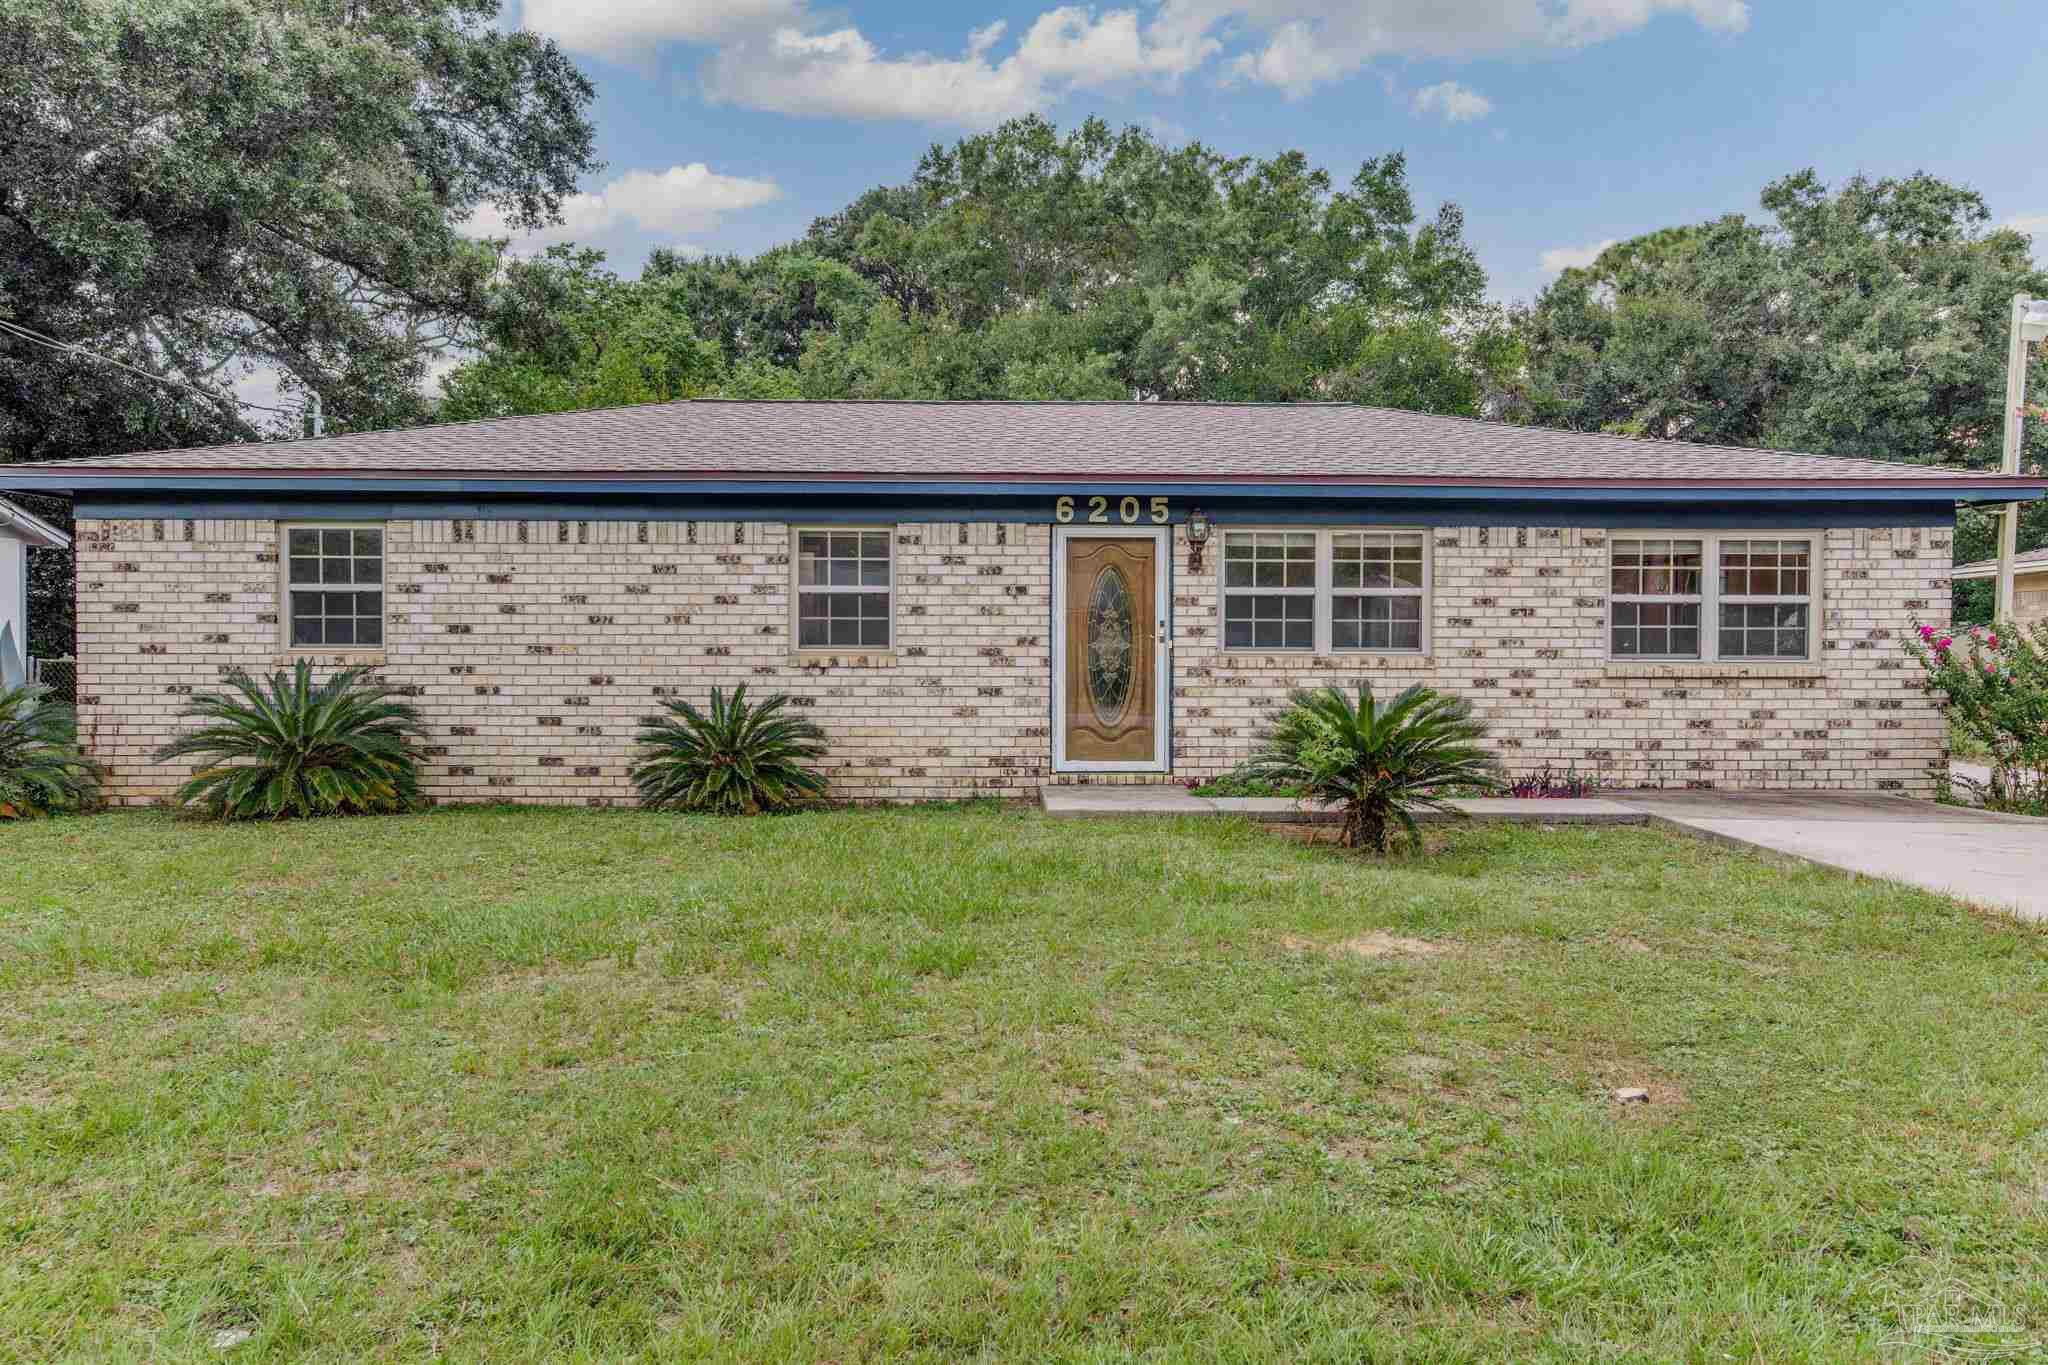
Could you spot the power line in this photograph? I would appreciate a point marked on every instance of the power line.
(38, 338)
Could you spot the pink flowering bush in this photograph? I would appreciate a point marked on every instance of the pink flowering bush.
(1995, 681)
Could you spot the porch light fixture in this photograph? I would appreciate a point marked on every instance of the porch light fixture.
(1198, 536)
(2029, 323)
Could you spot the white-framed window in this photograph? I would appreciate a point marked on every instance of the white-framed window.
(1376, 590)
(1323, 591)
(845, 587)
(1711, 596)
(333, 586)
(1766, 607)
(1655, 597)
(1269, 590)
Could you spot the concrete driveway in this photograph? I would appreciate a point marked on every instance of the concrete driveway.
(1999, 862)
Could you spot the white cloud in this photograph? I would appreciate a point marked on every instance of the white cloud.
(680, 199)
(1457, 103)
(1307, 43)
(842, 73)
(1574, 257)
(781, 55)
(628, 29)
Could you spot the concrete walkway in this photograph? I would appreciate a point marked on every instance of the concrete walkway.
(1999, 862)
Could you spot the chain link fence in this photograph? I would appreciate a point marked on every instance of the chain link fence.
(59, 675)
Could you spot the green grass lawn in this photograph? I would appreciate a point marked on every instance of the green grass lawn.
(977, 1084)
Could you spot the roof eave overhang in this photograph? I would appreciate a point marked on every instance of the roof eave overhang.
(402, 483)
(18, 523)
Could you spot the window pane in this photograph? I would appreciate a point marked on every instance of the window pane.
(845, 545)
(844, 604)
(369, 604)
(1763, 630)
(336, 571)
(1344, 634)
(305, 542)
(369, 542)
(305, 570)
(1405, 635)
(874, 633)
(369, 571)
(370, 631)
(874, 605)
(811, 543)
(305, 604)
(845, 632)
(874, 573)
(812, 632)
(341, 630)
(338, 604)
(305, 630)
(334, 543)
(1237, 634)
(874, 544)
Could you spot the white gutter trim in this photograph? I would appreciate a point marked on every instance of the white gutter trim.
(27, 526)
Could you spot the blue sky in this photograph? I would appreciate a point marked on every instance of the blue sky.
(1556, 124)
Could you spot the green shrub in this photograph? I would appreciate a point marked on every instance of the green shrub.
(285, 747)
(740, 759)
(1381, 763)
(42, 771)
(1994, 680)
(1240, 781)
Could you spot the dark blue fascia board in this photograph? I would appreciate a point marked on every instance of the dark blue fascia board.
(1699, 513)
(906, 491)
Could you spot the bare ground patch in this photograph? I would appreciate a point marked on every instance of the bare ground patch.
(1369, 945)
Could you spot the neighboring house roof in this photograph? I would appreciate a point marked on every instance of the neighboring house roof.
(18, 523)
(701, 441)
(2033, 561)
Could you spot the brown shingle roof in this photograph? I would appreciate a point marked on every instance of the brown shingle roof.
(940, 440)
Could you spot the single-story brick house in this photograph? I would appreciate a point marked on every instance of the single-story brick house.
(989, 597)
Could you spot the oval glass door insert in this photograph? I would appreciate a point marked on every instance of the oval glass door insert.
(1110, 646)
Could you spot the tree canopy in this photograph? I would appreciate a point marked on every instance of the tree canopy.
(1868, 321)
(1027, 263)
(203, 187)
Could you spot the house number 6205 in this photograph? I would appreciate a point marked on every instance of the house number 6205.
(1127, 509)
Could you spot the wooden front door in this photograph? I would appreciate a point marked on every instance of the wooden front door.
(1110, 694)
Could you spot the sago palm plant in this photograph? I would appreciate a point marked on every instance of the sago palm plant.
(42, 771)
(739, 759)
(286, 746)
(1382, 763)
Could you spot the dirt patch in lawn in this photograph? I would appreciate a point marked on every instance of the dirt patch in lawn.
(1372, 945)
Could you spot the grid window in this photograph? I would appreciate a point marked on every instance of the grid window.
(844, 586)
(1376, 590)
(1766, 599)
(1269, 590)
(335, 586)
(1655, 598)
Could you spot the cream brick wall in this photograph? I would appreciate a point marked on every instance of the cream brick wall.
(1518, 615)
(534, 647)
